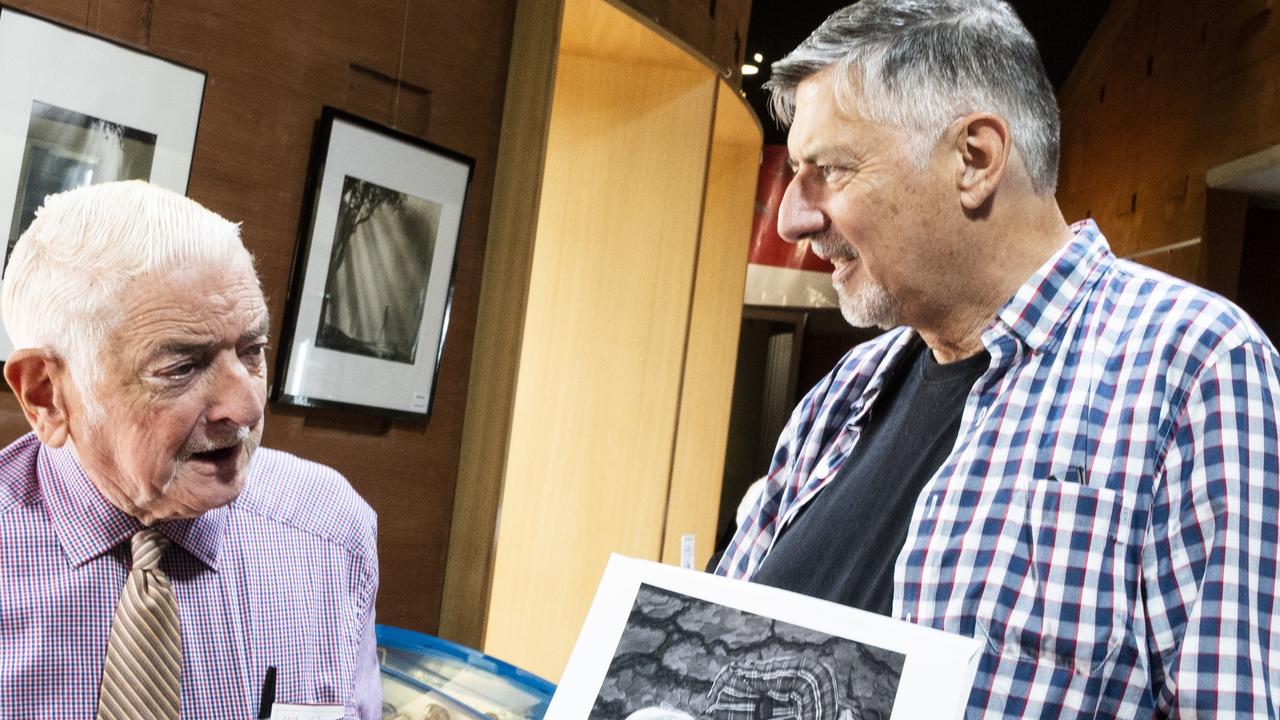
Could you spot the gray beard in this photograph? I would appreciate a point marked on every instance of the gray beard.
(870, 306)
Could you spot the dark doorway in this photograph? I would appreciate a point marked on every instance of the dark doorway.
(782, 353)
(1260, 267)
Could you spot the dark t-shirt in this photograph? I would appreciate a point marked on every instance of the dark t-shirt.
(844, 543)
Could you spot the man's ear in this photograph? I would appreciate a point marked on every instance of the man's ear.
(37, 379)
(982, 146)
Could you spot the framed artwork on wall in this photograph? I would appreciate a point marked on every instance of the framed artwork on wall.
(373, 278)
(77, 110)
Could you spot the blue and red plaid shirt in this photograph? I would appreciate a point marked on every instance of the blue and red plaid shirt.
(284, 576)
(1107, 521)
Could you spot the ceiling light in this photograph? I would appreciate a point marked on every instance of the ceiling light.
(750, 69)
(758, 57)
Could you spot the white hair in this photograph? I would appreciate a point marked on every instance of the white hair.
(919, 64)
(66, 273)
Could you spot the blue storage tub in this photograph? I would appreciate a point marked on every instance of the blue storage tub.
(427, 678)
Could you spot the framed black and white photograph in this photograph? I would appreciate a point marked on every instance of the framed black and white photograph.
(665, 643)
(369, 303)
(78, 110)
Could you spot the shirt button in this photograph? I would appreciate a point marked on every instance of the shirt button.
(982, 414)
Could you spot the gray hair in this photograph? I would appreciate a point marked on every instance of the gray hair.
(65, 274)
(919, 64)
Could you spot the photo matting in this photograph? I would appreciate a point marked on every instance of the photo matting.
(76, 109)
(665, 643)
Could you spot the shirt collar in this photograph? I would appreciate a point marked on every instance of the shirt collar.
(891, 356)
(1044, 301)
(88, 526)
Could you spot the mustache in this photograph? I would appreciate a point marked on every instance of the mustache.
(217, 440)
(832, 248)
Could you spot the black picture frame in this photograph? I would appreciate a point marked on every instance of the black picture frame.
(371, 293)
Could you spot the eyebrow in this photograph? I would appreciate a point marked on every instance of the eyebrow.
(262, 329)
(183, 348)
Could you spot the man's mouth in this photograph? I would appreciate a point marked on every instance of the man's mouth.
(219, 455)
(845, 268)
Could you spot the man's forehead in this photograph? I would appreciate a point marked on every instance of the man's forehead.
(831, 89)
(225, 296)
(818, 119)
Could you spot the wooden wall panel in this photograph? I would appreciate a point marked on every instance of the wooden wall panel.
(588, 465)
(1165, 91)
(697, 472)
(716, 29)
(500, 324)
(271, 67)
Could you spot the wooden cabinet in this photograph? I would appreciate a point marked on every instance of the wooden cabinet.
(604, 359)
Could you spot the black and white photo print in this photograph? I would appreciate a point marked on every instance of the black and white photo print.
(681, 657)
(378, 270)
(66, 149)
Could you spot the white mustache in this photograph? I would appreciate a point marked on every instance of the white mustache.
(218, 442)
(831, 249)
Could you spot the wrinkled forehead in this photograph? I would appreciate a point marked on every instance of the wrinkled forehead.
(216, 302)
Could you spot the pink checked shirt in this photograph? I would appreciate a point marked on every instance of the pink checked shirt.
(285, 576)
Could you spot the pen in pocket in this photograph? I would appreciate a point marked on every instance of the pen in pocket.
(268, 696)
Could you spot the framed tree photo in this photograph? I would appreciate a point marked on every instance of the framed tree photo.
(373, 279)
(79, 110)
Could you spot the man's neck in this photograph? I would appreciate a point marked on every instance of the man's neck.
(1000, 265)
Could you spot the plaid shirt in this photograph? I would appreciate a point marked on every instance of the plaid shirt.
(1107, 521)
(283, 576)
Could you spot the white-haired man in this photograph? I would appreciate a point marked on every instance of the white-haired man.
(1068, 456)
(154, 562)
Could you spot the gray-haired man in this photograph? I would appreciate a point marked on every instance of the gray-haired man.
(1066, 455)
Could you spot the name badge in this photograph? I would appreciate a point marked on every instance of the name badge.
(282, 711)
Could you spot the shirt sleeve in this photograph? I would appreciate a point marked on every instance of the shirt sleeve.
(756, 532)
(368, 685)
(367, 695)
(1210, 555)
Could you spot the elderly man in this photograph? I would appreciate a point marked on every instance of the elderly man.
(1070, 457)
(154, 562)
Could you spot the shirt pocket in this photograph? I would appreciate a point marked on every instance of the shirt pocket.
(1063, 601)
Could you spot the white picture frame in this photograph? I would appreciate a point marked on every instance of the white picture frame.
(77, 109)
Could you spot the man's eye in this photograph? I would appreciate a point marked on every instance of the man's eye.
(179, 372)
(254, 353)
(833, 173)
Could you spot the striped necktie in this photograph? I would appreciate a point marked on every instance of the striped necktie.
(143, 667)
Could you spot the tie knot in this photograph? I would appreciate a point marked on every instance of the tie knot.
(149, 545)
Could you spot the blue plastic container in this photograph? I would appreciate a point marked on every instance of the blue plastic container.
(426, 678)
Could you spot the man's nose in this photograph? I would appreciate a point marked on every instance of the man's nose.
(798, 217)
(238, 395)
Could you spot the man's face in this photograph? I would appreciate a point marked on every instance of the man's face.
(182, 390)
(864, 205)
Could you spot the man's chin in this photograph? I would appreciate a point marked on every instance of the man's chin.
(188, 499)
(877, 312)
(201, 485)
